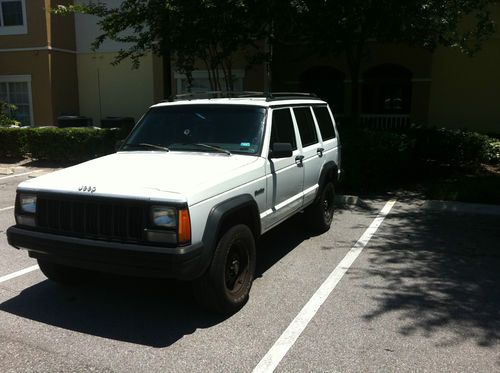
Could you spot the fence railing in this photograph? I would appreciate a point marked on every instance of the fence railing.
(385, 121)
(378, 121)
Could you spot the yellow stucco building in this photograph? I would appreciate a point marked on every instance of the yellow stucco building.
(47, 69)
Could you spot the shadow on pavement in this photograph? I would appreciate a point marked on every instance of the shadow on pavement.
(438, 272)
(149, 312)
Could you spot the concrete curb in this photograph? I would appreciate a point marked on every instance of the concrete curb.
(6, 171)
(462, 207)
(346, 200)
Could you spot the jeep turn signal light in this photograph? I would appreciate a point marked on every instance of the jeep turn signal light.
(184, 227)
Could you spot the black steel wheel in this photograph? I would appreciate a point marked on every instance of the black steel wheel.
(225, 286)
(319, 215)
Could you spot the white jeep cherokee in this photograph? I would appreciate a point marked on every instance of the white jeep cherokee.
(187, 195)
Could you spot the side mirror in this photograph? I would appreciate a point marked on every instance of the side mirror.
(281, 150)
(119, 144)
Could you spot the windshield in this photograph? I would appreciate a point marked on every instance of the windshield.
(202, 128)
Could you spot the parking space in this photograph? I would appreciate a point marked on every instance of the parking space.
(422, 296)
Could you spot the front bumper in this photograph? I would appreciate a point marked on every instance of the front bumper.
(183, 263)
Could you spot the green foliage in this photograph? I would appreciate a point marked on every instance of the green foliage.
(452, 146)
(12, 142)
(377, 160)
(62, 145)
(494, 152)
(208, 31)
(6, 121)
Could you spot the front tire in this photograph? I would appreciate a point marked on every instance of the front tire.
(319, 216)
(225, 286)
(62, 274)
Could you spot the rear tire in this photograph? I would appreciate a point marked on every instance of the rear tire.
(62, 274)
(225, 286)
(319, 216)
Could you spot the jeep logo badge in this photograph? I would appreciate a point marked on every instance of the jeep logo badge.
(85, 188)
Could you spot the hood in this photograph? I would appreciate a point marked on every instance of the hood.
(174, 176)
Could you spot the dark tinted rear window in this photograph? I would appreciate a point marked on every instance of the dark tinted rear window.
(325, 122)
(282, 130)
(307, 129)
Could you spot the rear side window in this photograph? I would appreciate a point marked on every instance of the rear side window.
(282, 130)
(325, 122)
(307, 129)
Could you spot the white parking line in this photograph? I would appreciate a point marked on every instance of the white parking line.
(7, 208)
(280, 348)
(17, 175)
(18, 273)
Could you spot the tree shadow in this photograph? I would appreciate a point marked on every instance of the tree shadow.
(148, 312)
(438, 272)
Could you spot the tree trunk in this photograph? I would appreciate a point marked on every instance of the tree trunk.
(167, 73)
(354, 62)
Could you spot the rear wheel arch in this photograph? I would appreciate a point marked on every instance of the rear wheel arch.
(328, 174)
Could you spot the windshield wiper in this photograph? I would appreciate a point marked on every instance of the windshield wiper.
(213, 147)
(146, 145)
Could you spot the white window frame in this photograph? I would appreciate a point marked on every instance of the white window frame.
(14, 30)
(21, 79)
(203, 74)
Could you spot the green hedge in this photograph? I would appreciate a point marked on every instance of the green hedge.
(64, 145)
(12, 142)
(379, 160)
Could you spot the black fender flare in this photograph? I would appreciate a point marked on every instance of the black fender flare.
(216, 219)
(329, 172)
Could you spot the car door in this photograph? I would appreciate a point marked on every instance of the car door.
(285, 176)
(312, 151)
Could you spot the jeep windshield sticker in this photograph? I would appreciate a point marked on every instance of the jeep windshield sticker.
(245, 144)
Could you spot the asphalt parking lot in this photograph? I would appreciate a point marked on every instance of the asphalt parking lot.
(423, 295)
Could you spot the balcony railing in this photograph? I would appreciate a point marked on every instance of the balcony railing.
(378, 121)
(385, 121)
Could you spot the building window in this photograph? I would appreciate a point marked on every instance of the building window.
(13, 17)
(201, 82)
(16, 90)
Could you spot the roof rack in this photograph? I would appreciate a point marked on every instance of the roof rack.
(269, 96)
(273, 96)
(215, 94)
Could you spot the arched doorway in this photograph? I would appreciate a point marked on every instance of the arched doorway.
(387, 90)
(326, 82)
(386, 97)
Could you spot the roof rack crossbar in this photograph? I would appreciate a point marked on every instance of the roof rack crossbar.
(215, 94)
(269, 96)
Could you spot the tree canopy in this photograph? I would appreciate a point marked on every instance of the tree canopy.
(212, 31)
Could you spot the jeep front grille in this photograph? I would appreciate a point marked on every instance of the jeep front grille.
(104, 219)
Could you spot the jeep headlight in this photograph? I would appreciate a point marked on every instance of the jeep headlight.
(169, 225)
(164, 217)
(27, 202)
(27, 209)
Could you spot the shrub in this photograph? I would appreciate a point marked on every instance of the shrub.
(494, 152)
(69, 145)
(451, 146)
(12, 142)
(5, 121)
(63, 145)
(376, 160)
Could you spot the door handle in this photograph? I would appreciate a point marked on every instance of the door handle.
(320, 151)
(299, 159)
